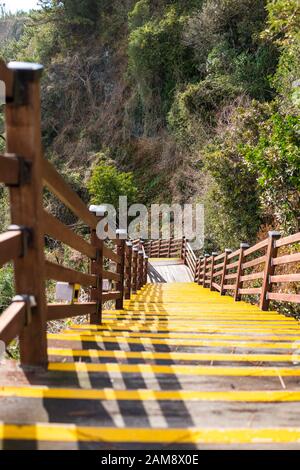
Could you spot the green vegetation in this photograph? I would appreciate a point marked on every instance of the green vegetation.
(107, 184)
(192, 101)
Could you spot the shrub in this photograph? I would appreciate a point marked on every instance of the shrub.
(157, 62)
(276, 159)
(107, 184)
(195, 110)
(6, 287)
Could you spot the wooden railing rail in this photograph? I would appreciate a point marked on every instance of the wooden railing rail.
(252, 271)
(163, 248)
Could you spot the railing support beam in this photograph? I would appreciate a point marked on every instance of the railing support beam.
(23, 137)
(269, 270)
(238, 286)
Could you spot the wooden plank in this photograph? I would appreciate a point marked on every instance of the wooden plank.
(219, 266)
(230, 276)
(23, 137)
(12, 322)
(257, 247)
(288, 240)
(285, 278)
(10, 246)
(218, 273)
(62, 311)
(111, 276)
(252, 277)
(63, 274)
(106, 296)
(55, 182)
(286, 259)
(55, 229)
(9, 169)
(250, 291)
(234, 254)
(232, 265)
(229, 287)
(254, 262)
(191, 251)
(293, 298)
(216, 286)
(108, 253)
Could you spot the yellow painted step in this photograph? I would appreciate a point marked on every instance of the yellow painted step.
(175, 342)
(176, 356)
(225, 336)
(72, 433)
(150, 395)
(177, 369)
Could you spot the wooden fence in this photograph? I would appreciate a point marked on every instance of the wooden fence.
(26, 173)
(268, 270)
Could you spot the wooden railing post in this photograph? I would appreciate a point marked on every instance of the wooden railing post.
(213, 255)
(97, 267)
(121, 266)
(128, 270)
(183, 249)
(169, 247)
(238, 286)
(159, 247)
(227, 252)
(150, 249)
(206, 256)
(269, 270)
(146, 269)
(135, 251)
(23, 138)
(140, 269)
(199, 269)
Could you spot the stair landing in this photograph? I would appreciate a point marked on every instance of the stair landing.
(168, 270)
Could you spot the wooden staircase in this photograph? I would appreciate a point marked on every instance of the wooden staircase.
(179, 368)
(179, 364)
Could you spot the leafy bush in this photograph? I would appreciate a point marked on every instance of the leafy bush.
(233, 205)
(194, 111)
(158, 60)
(6, 287)
(107, 184)
(276, 159)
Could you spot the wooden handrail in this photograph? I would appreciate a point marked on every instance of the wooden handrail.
(12, 321)
(11, 246)
(61, 311)
(111, 255)
(62, 190)
(57, 230)
(58, 272)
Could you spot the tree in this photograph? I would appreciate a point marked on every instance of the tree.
(107, 184)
